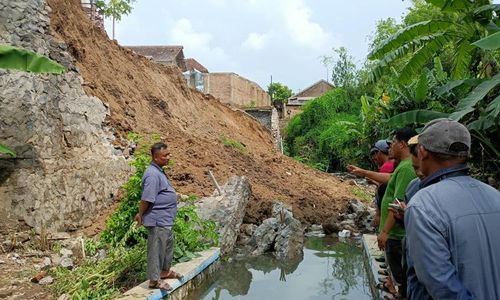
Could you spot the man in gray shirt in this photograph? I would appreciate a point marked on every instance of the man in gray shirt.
(157, 211)
(452, 222)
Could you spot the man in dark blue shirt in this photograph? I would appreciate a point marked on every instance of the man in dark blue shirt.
(157, 211)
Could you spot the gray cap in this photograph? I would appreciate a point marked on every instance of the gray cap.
(380, 145)
(446, 136)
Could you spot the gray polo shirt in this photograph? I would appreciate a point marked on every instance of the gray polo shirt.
(157, 190)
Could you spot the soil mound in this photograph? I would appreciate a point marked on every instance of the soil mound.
(150, 98)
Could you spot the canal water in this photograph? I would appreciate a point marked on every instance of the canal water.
(329, 269)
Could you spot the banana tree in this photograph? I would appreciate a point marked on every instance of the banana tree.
(463, 23)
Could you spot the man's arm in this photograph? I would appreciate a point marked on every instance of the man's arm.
(375, 176)
(143, 206)
(149, 192)
(428, 249)
(384, 235)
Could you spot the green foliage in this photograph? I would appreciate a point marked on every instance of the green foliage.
(344, 72)
(413, 33)
(189, 241)
(442, 60)
(453, 29)
(122, 267)
(114, 8)
(6, 150)
(414, 118)
(91, 247)
(279, 92)
(28, 61)
(466, 105)
(325, 135)
(491, 42)
(228, 142)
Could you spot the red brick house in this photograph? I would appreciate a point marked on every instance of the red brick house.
(311, 92)
(295, 103)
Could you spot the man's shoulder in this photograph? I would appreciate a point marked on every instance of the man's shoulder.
(403, 165)
(404, 170)
(150, 171)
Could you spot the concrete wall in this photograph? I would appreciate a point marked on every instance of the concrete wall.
(234, 89)
(67, 169)
(269, 118)
(262, 115)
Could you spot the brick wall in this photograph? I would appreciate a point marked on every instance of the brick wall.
(234, 89)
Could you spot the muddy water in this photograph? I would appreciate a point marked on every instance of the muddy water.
(329, 269)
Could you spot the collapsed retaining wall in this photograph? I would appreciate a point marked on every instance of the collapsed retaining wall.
(67, 168)
(269, 118)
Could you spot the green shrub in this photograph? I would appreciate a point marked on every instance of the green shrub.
(327, 134)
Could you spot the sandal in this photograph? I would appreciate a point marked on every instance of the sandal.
(160, 284)
(383, 287)
(380, 259)
(383, 272)
(173, 274)
(383, 266)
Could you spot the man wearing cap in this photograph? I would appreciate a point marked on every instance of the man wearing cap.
(452, 222)
(380, 155)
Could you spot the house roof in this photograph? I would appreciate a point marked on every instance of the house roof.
(158, 53)
(315, 90)
(192, 64)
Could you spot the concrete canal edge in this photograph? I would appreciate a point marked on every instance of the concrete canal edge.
(195, 271)
(371, 251)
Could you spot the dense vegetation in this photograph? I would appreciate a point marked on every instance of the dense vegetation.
(441, 60)
(125, 244)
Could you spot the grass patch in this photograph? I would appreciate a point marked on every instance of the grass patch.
(233, 144)
(362, 194)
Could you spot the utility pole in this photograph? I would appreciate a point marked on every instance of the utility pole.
(271, 89)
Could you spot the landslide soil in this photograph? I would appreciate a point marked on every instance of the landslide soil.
(150, 98)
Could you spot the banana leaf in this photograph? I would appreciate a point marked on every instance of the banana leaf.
(466, 105)
(408, 35)
(448, 87)
(491, 42)
(493, 109)
(6, 150)
(421, 57)
(419, 116)
(25, 60)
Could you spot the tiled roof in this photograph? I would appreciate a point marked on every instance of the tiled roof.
(315, 90)
(192, 64)
(158, 53)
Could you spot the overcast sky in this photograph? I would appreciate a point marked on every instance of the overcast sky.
(259, 38)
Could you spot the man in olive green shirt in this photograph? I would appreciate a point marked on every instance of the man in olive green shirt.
(391, 233)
